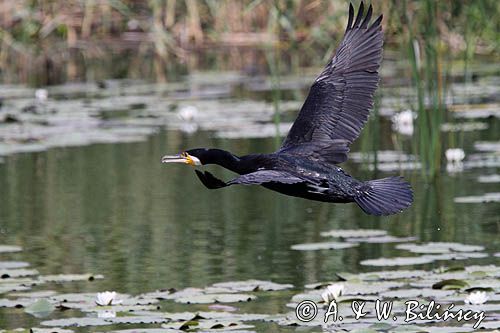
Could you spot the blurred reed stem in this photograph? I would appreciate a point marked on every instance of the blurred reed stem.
(429, 87)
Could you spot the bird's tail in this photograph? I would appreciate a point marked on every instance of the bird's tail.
(384, 196)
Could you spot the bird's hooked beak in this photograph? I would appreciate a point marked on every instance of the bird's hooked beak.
(181, 158)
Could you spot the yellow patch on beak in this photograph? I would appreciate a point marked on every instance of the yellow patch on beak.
(181, 158)
(189, 160)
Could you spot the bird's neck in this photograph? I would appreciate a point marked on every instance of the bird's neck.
(226, 160)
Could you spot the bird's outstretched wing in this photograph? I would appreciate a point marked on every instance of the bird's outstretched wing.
(340, 99)
(254, 178)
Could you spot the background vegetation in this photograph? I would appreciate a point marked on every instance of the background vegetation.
(432, 43)
(48, 42)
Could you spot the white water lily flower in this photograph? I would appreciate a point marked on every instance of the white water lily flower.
(332, 292)
(476, 298)
(455, 154)
(107, 298)
(402, 122)
(41, 95)
(188, 113)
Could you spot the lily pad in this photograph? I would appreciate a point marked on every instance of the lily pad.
(381, 239)
(34, 294)
(15, 273)
(13, 264)
(114, 308)
(252, 285)
(146, 330)
(78, 322)
(393, 275)
(457, 256)
(137, 320)
(17, 303)
(370, 288)
(439, 247)
(495, 178)
(204, 325)
(10, 248)
(215, 298)
(354, 233)
(14, 286)
(323, 246)
(41, 308)
(70, 277)
(406, 294)
(450, 284)
(485, 198)
(397, 261)
(50, 330)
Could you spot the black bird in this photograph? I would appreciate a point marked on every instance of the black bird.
(331, 118)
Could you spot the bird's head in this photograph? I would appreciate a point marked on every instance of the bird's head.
(204, 156)
(192, 157)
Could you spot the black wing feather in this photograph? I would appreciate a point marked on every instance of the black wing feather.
(254, 178)
(266, 176)
(341, 98)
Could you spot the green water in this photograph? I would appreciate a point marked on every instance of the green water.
(116, 210)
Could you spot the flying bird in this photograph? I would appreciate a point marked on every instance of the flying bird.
(332, 117)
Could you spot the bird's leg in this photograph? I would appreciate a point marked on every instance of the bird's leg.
(209, 180)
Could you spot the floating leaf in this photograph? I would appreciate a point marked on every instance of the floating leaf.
(252, 285)
(41, 308)
(215, 298)
(34, 294)
(15, 286)
(221, 307)
(364, 330)
(70, 277)
(137, 320)
(115, 308)
(393, 275)
(439, 247)
(495, 178)
(10, 248)
(18, 303)
(381, 239)
(204, 325)
(354, 233)
(485, 289)
(457, 255)
(370, 288)
(450, 284)
(78, 322)
(50, 330)
(398, 261)
(406, 294)
(13, 264)
(15, 273)
(485, 198)
(146, 330)
(323, 246)
(447, 329)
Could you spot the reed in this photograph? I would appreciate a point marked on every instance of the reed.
(64, 37)
(425, 59)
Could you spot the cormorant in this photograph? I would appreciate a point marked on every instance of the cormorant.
(331, 118)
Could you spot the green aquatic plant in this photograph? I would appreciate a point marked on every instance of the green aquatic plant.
(427, 76)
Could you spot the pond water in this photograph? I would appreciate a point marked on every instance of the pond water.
(114, 209)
